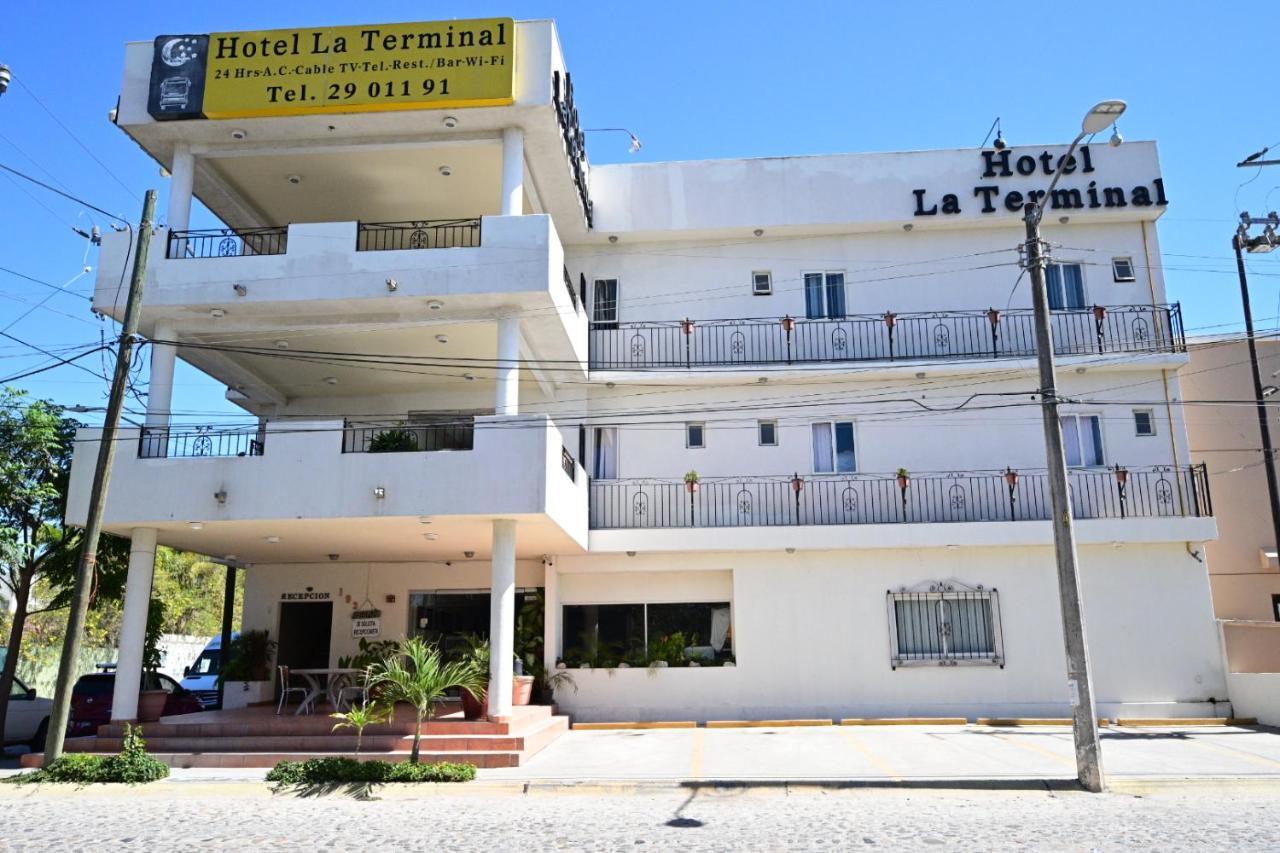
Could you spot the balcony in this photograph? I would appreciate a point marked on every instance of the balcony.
(370, 237)
(299, 490)
(857, 499)
(934, 336)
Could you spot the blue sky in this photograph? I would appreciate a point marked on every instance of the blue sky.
(696, 80)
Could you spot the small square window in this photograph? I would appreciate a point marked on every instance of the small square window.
(1122, 269)
(768, 433)
(694, 436)
(762, 283)
(1144, 423)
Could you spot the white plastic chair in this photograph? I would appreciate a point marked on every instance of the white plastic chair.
(286, 689)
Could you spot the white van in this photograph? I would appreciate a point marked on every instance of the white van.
(201, 678)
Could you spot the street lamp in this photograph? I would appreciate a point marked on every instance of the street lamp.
(1079, 682)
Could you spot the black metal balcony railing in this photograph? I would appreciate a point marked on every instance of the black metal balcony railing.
(569, 464)
(421, 234)
(573, 294)
(228, 242)
(1155, 492)
(887, 337)
(408, 436)
(162, 442)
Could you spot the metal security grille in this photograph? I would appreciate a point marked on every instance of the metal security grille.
(945, 625)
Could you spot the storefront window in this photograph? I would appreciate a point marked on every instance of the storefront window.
(605, 635)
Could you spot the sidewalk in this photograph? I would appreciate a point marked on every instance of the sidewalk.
(936, 756)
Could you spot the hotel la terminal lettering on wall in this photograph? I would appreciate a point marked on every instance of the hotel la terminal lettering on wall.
(351, 69)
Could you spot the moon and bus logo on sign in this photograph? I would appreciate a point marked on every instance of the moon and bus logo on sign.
(178, 52)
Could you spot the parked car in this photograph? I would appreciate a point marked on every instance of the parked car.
(28, 717)
(92, 696)
(201, 678)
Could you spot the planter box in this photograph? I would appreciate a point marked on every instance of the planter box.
(241, 694)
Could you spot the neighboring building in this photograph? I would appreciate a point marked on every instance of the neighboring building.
(466, 351)
(1242, 562)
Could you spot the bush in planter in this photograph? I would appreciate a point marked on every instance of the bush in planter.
(132, 766)
(394, 441)
(668, 649)
(337, 770)
(248, 658)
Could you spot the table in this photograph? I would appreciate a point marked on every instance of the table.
(334, 680)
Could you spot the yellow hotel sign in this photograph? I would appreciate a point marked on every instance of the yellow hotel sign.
(334, 70)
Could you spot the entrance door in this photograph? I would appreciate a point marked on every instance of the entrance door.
(305, 628)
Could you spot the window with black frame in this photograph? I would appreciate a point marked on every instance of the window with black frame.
(945, 624)
(678, 633)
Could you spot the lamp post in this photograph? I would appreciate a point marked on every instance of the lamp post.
(1241, 242)
(1079, 681)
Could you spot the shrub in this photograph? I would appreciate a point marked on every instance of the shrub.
(132, 766)
(338, 770)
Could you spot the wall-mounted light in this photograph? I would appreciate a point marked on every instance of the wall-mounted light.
(379, 492)
(392, 285)
(240, 289)
(220, 496)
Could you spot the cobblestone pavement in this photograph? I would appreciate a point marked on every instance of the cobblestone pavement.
(232, 816)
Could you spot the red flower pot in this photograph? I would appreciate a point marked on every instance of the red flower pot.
(472, 705)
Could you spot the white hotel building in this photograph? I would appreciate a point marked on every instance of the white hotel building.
(467, 378)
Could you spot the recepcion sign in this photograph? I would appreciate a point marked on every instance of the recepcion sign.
(352, 69)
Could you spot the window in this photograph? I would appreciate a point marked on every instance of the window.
(945, 626)
(1144, 422)
(604, 304)
(694, 436)
(1066, 287)
(609, 634)
(824, 295)
(762, 283)
(17, 690)
(1082, 438)
(604, 465)
(768, 431)
(1122, 269)
(833, 449)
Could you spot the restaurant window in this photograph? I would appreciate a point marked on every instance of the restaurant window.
(604, 304)
(604, 635)
(824, 295)
(1082, 440)
(1066, 287)
(833, 448)
(947, 624)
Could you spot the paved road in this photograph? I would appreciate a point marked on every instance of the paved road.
(236, 816)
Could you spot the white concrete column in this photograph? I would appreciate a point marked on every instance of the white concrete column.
(507, 374)
(502, 618)
(159, 392)
(512, 171)
(550, 616)
(133, 623)
(180, 186)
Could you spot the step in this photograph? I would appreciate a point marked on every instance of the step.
(270, 759)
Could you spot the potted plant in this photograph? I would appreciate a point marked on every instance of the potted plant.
(667, 651)
(151, 700)
(788, 324)
(247, 667)
(691, 481)
(478, 657)
(904, 478)
(394, 441)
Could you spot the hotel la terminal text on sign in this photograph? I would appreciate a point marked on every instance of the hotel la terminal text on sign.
(334, 70)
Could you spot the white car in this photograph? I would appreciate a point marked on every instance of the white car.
(28, 718)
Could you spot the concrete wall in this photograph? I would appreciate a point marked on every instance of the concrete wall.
(811, 635)
(1256, 695)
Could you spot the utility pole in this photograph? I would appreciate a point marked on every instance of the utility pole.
(1240, 242)
(98, 496)
(1079, 680)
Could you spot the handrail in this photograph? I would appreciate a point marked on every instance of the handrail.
(418, 234)
(227, 242)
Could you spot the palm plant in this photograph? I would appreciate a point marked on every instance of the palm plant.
(360, 717)
(418, 676)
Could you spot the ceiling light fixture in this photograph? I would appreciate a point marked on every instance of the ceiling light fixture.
(759, 232)
(449, 121)
(294, 179)
(274, 540)
(217, 313)
(435, 304)
(282, 344)
(613, 238)
(431, 537)
(239, 133)
(470, 377)
(331, 380)
(468, 554)
(442, 339)
(196, 525)
(446, 171)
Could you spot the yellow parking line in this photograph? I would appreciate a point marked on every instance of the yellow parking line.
(695, 763)
(880, 764)
(1038, 750)
(1235, 753)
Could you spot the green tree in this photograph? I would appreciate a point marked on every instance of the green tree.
(192, 588)
(418, 676)
(36, 444)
